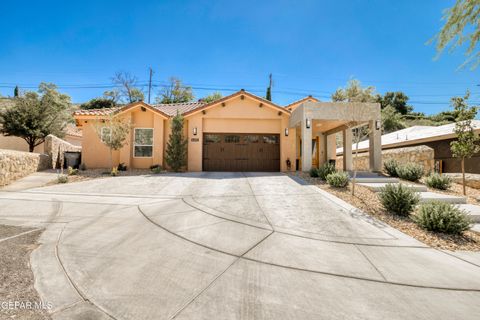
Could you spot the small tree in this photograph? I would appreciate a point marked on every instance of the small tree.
(391, 120)
(176, 153)
(35, 115)
(468, 142)
(113, 133)
(354, 92)
(98, 103)
(16, 92)
(175, 92)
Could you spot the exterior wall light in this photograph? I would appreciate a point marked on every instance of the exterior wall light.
(286, 132)
(195, 131)
(308, 123)
(378, 124)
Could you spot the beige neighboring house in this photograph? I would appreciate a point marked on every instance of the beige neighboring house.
(73, 135)
(240, 132)
(436, 137)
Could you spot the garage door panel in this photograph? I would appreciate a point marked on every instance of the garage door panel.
(241, 152)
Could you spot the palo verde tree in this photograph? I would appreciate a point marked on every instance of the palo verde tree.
(467, 142)
(176, 152)
(462, 26)
(35, 115)
(354, 92)
(113, 132)
(175, 92)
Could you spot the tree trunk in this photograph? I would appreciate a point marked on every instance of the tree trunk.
(463, 177)
(31, 147)
(111, 159)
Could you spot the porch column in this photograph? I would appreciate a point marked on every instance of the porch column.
(375, 146)
(306, 135)
(347, 149)
(331, 146)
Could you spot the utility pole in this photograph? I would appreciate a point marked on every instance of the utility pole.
(150, 85)
(269, 89)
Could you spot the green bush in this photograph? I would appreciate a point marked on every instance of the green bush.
(156, 168)
(398, 199)
(391, 166)
(83, 167)
(442, 217)
(438, 181)
(114, 172)
(325, 170)
(122, 167)
(410, 171)
(338, 179)
(71, 171)
(314, 173)
(62, 178)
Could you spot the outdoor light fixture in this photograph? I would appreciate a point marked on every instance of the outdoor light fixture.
(308, 124)
(377, 124)
(286, 132)
(195, 131)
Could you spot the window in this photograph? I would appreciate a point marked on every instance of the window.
(232, 139)
(143, 143)
(105, 134)
(212, 138)
(271, 139)
(251, 139)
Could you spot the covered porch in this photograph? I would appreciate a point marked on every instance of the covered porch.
(319, 122)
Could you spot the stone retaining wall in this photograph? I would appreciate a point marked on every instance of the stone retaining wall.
(18, 164)
(55, 147)
(419, 154)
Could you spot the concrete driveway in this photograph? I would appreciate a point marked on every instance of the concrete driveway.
(230, 245)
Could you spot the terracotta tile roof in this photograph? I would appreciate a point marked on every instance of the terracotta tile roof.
(95, 112)
(72, 130)
(172, 108)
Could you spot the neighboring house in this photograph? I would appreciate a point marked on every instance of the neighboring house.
(73, 135)
(437, 138)
(240, 132)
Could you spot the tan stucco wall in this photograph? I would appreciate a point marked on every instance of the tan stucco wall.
(18, 144)
(239, 116)
(96, 155)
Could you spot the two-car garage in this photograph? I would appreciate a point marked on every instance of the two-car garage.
(241, 152)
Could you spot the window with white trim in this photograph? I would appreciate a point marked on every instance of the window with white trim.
(105, 134)
(143, 143)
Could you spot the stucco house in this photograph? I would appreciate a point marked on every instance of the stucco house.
(240, 132)
(436, 137)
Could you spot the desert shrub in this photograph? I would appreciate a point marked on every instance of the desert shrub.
(325, 170)
(83, 167)
(442, 217)
(62, 178)
(122, 167)
(391, 166)
(314, 173)
(114, 172)
(338, 179)
(438, 181)
(410, 171)
(398, 199)
(156, 168)
(72, 172)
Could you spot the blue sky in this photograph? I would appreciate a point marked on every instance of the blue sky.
(309, 47)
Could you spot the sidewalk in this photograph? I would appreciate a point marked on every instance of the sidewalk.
(34, 180)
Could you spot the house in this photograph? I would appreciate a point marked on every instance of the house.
(438, 138)
(240, 132)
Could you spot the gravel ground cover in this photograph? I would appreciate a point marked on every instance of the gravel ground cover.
(16, 277)
(368, 202)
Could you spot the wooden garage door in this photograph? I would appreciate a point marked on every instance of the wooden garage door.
(241, 152)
